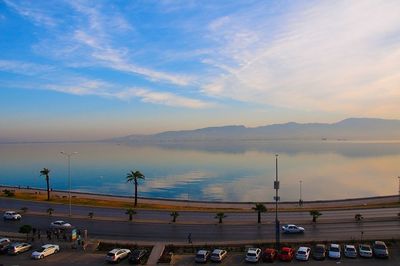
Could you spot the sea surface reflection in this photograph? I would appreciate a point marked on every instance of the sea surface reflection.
(218, 171)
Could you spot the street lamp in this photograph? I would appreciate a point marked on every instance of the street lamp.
(301, 194)
(276, 198)
(68, 155)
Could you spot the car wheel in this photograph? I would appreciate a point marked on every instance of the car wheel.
(41, 257)
(118, 260)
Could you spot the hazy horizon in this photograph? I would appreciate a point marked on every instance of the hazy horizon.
(90, 70)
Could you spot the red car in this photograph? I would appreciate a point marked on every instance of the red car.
(286, 254)
(269, 255)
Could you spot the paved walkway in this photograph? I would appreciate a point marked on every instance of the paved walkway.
(156, 253)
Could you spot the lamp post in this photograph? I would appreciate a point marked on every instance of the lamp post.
(301, 194)
(276, 198)
(68, 155)
(399, 186)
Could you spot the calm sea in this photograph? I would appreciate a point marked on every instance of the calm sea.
(218, 171)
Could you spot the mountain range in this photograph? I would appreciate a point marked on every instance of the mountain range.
(348, 129)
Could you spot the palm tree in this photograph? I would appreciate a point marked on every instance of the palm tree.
(91, 214)
(220, 216)
(130, 212)
(174, 215)
(133, 177)
(50, 211)
(315, 214)
(46, 173)
(259, 208)
(358, 217)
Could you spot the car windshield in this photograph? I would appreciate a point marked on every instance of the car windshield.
(110, 254)
(334, 249)
(365, 248)
(251, 254)
(380, 247)
(41, 250)
(350, 249)
(319, 249)
(284, 252)
(301, 252)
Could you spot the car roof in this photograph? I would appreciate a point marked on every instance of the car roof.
(253, 249)
(334, 245)
(202, 252)
(304, 248)
(4, 239)
(48, 245)
(286, 248)
(349, 246)
(379, 243)
(364, 245)
(217, 250)
(10, 212)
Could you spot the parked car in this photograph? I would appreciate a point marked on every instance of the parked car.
(12, 215)
(117, 254)
(45, 251)
(16, 248)
(269, 255)
(350, 251)
(334, 251)
(292, 229)
(218, 255)
(202, 255)
(138, 256)
(4, 244)
(380, 249)
(253, 255)
(60, 225)
(319, 252)
(303, 253)
(286, 254)
(365, 251)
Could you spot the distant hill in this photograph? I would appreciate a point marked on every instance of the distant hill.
(348, 129)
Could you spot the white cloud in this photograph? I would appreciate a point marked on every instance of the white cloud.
(37, 15)
(25, 68)
(332, 57)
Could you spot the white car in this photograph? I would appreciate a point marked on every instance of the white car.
(334, 251)
(117, 254)
(253, 255)
(202, 255)
(218, 255)
(303, 253)
(292, 228)
(60, 224)
(45, 251)
(365, 251)
(12, 215)
(350, 251)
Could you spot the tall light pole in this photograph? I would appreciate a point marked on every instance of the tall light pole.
(399, 186)
(276, 198)
(301, 194)
(68, 155)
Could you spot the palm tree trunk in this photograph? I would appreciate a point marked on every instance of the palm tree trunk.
(220, 220)
(48, 187)
(259, 217)
(136, 183)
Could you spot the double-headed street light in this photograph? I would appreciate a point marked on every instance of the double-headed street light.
(68, 155)
(276, 198)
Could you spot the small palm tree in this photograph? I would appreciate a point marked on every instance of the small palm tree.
(130, 212)
(24, 209)
(220, 216)
(91, 214)
(25, 229)
(315, 214)
(358, 217)
(133, 176)
(45, 172)
(174, 215)
(259, 208)
(50, 211)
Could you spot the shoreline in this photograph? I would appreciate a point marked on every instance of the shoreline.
(58, 196)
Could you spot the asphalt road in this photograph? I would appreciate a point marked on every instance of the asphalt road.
(168, 232)
(196, 217)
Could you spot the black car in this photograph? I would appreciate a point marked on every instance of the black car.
(319, 252)
(138, 256)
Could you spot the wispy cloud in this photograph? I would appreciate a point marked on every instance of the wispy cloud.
(24, 68)
(329, 56)
(37, 15)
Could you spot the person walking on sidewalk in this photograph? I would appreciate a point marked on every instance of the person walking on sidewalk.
(189, 238)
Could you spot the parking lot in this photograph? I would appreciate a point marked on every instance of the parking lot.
(68, 256)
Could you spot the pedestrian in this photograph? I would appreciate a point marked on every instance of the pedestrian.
(189, 238)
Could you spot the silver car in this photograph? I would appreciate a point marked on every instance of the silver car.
(16, 248)
(350, 251)
(117, 254)
(202, 256)
(380, 249)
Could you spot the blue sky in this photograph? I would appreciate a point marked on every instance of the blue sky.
(77, 70)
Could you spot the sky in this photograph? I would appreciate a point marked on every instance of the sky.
(86, 70)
